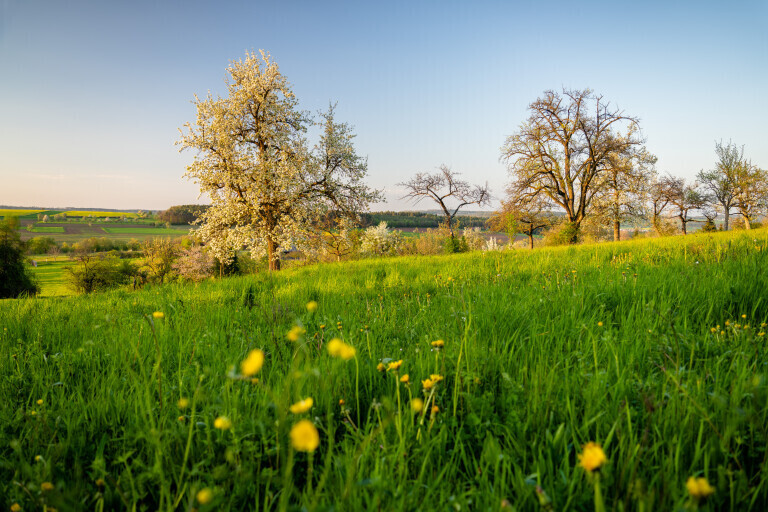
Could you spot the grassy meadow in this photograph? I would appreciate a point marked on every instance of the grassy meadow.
(655, 349)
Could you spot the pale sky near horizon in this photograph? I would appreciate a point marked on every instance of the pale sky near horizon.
(92, 94)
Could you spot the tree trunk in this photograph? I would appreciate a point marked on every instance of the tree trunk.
(530, 237)
(684, 224)
(274, 260)
(747, 224)
(616, 230)
(726, 215)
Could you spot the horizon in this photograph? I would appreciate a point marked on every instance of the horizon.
(93, 94)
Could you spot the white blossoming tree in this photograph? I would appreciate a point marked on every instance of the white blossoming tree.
(253, 161)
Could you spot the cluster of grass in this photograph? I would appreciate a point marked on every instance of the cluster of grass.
(51, 277)
(653, 349)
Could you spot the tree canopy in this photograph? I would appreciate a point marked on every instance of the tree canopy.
(266, 186)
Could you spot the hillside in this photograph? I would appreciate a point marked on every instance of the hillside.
(655, 349)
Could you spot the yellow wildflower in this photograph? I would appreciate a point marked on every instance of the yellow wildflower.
(395, 365)
(204, 496)
(40, 402)
(302, 406)
(312, 306)
(100, 482)
(182, 418)
(183, 403)
(428, 384)
(341, 401)
(592, 457)
(15, 507)
(381, 367)
(405, 379)
(304, 436)
(435, 378)
(158, 315)
(222, 423)
(32, 413)
(295, 333)
(38, 458)
(322, 326)
(46, 486)
(713, 330)
(438, 343)
(699, 488)
(435, 410)
(252, 364)
(347, 352)
(743, 316)
(417, 404)
(599, 324)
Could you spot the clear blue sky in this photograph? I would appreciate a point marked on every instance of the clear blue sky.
(92, 93)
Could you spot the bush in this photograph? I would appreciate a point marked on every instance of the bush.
(453, 245)
(430, 242)
(563, 233)
(380, 240)
(100, 273)
(14, 279)
(194, 264)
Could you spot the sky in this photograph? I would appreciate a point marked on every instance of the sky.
(93, 93)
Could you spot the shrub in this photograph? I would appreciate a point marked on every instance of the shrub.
(95, 273)
(14, 279)
(380, 240)
(194, 264)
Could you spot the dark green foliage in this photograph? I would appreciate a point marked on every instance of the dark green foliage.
(14, 279)
(183, 214)
(454, 245)
(709, 227)
(97, 273)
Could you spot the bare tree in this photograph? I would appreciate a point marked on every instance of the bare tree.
(624, 187)
(685, 198)
(751, 197)
(443, 187)
(524, 214)
(721, 181)
(565, 147)
(659, 198)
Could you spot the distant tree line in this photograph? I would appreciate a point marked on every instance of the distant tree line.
(416, 220)
(183, 214)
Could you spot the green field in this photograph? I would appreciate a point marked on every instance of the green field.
(47, 229)
(51, 277)
(655, 349)
(147, 231)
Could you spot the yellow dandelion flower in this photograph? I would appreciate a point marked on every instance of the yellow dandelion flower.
(405, 379)
(713, 330)
(46, 486)
(322, 326)
(295, 333)
(312, 306)
(347, 352)
(381, 367)
(722, 333)
(761, 333)
(763, 324)
(428, 384)
(417, 404)
(592, 457)
(435, 378)
(438, 343)
(395, 365)
(599, 324)
(435, 410)
(222, 423)
(32, 413)
(341, 401)
(727, 322)
(183, 403)
(252, 364)
(743, 316)
(699, 488)
(334, 347)
(302, 406)
(100, 482)
(304, 436)
(15, 507)
(204, 496)
(38, 458)
(182, 418)
(254, 381)
(40, 402)
(159, 315)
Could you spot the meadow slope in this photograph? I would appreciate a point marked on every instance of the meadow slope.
(653, 348)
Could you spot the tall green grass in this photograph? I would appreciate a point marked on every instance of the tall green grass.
(544, 352)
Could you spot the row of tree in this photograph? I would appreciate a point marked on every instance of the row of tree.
(578, 158)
